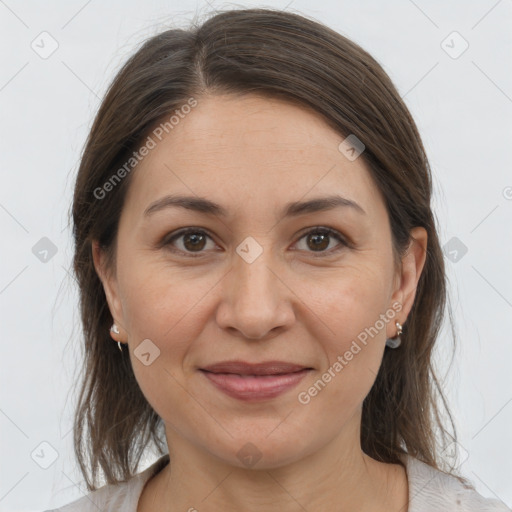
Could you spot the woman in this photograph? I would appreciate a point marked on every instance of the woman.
(253, 228)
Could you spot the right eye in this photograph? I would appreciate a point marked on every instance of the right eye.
(191, 240)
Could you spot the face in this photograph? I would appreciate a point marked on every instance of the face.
(257, 282)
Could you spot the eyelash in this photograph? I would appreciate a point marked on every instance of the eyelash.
(317, 229)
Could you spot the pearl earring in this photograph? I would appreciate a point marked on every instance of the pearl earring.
(115, 330)
(396, 341)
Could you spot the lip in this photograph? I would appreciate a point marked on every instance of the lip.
(264, 368)
(254, 382)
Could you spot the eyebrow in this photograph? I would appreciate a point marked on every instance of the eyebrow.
(293, 209)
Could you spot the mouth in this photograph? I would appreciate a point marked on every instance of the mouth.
(255, 382)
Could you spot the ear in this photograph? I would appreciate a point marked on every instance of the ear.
(109, 281)
(412, 266)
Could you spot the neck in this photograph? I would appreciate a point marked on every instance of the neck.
(336, 476)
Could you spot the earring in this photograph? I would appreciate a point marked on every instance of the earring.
(115, 330)
(396, 341)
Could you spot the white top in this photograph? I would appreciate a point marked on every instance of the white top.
(430, 490)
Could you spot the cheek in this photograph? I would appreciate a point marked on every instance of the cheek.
(170, 309)
(351, 336)
(166, 312)
(348, 305)
(163, 303)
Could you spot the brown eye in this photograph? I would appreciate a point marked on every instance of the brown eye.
(188, 241)
(194, 241)
(319, 239)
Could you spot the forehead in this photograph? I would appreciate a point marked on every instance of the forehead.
(268, 127)
(250, 150)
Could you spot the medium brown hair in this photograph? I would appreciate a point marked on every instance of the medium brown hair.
(289, 57)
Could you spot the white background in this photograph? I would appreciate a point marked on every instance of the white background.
(463, 108)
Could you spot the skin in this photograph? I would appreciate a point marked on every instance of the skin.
(293, 303)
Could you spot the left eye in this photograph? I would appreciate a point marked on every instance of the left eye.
(319, 239)
(194, 240)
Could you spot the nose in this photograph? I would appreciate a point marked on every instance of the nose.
(256, 302)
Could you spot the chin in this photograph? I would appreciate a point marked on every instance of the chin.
(263, 451)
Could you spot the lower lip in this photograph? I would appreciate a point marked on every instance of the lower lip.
(255, 387)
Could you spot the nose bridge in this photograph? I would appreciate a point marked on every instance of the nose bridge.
(254, 299)
(251, 271)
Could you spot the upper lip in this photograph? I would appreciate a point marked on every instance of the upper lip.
(264, 368)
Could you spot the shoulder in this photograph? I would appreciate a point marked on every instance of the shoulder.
(112, 498)
(431, 489)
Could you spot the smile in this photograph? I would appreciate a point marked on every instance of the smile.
(255, 387)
